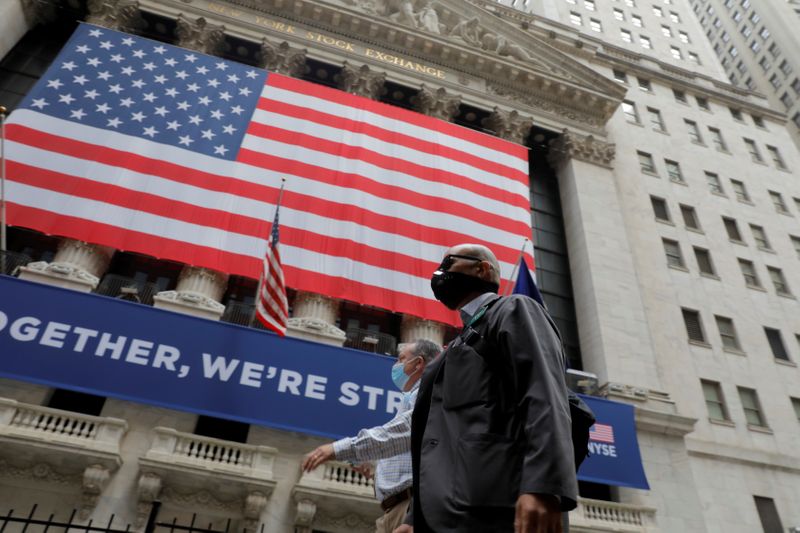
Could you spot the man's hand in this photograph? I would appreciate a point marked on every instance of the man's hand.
(404, 528)
(537, 513)
(365, 469)
(320, 455)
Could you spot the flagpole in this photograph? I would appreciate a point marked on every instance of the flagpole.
(3, 111)
(261, 277)
(512, 280)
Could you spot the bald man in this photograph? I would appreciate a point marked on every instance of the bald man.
(491, 442)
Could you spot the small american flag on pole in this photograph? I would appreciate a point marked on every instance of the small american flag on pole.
(602, 433)
(272, 310)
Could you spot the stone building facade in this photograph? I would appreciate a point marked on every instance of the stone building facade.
(666, 225)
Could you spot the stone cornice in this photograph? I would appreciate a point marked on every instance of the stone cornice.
(748, 456)
(549, 83)
(570, 145)
(662, 423)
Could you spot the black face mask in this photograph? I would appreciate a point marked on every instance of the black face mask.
(451, 288)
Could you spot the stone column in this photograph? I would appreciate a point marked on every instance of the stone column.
(314, 318)
(362, 81)
(120, 15)
(436, 103)
(198, 293)
(199, 35)
(614, 339)
(19, 16)
(282, 58)
(509, 125)
(77, 265)
(413, 328)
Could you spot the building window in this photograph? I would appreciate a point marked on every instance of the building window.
(684, 37)
(673, 252)
(626, 36)
(631, 114)
(702, 103)
(737, 16)
(774, 50)
(220, 428)
(630, 3)
(768, 515)
(796, 86)
(570, 1)
(758, 121)
(795, 244)
(796, 119)
(764, 33)
(693, 131)
(775, 81)
(727, 333)
(777, 201)
(694, 327)
(754, 17)
(636, 20)
(779, 281)
(660, 209)
(752, 407)
(656, 120)
(785, 68)
(760, 236)
(694, 58)
(666, 31)
(733, 51)
(714, 400)
(674, 171)
(676, 53)
(755, 155)
(674, 17)
(740, 191)
(619, 14)
(704, 263)
(680, 96)
(645, 85)
(746, 31)
(714, 183)
(646, 163)
(595, 25)
(575, 18)
(736, 114)
(749, 273)
(755, 47)
(657, 11)
(76, 402)
(689, 216)
(786, 100)
(796, 407)
(645, 42)
(717, 140)
(620, 76)
(732, 228)
(589, 5)
(776, 157)
(775, 340)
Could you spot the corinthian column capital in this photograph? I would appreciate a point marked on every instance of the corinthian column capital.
(282, 58)
(362, 81)
(200, 35)
(114, 14)
(509, 125)
(436, 103)
(570, 145)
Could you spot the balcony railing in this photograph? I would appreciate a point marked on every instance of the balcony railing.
(126, 288)
(598, 515)
(241, 313)
(334, 477)
(370, 341)
(34, 426)
(11, 261)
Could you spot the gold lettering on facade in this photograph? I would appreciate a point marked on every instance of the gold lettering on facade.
(404, 63)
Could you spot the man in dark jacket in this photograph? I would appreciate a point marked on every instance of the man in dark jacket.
(491, 438)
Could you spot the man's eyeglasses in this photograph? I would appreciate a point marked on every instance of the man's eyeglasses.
(449, 259)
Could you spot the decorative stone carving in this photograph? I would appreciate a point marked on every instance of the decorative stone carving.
(404, 14)
(95, 479)
(569, 145)
(37, 11)
(39, 472)
(537, 102)
(314, 317)
(467, 31)
(254, 505)
(350, 522)
(361, 81)
(76, 265)
(282, 58)
(115, 14)
(306, 509)
(498, 44)
(198, 293)
(413, 328)
(429, 19)
(436, 103)
(200, 35)
(508, 125)
(147, 491)
(201, 499)
(371, 7)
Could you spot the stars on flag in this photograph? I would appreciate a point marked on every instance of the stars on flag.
(133, 86)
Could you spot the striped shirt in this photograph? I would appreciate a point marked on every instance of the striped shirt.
(389, 445)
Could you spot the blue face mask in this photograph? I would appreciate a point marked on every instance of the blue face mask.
(399, 376)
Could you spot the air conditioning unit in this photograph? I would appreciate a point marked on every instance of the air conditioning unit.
(582, 382)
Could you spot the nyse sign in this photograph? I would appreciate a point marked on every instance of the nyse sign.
(332, 42)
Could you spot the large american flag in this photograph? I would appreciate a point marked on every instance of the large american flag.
(272, 309)
(151, 148)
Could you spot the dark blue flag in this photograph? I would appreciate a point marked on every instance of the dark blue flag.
(526, 284)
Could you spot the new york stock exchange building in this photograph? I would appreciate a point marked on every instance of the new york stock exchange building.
(145, 149)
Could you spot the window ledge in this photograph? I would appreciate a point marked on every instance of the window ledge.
(667, 222)
(768, 250)
(784, 169)
(702, 344)
(650, 173)
(785, 362)
(788, 295)
(677, 267)
(721, 194)
(635, 123)
(734, 351)
(737, 241)
(757, 162)
(760, 429)
(756, 287)
(679, 182)
(700, 143)
(726, 423)
(709, 276)
(724, 151)
(662, 132)
(785, 213)
(748, 202)
(696, 230)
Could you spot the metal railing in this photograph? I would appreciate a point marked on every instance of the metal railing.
(241, 313)
(11, 261)
(370, 341)
(127, 288)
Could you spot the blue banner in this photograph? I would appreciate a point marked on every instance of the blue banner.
(125, 350)
(614, 457)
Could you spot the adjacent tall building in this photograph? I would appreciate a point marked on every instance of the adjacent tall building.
(666, 212)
